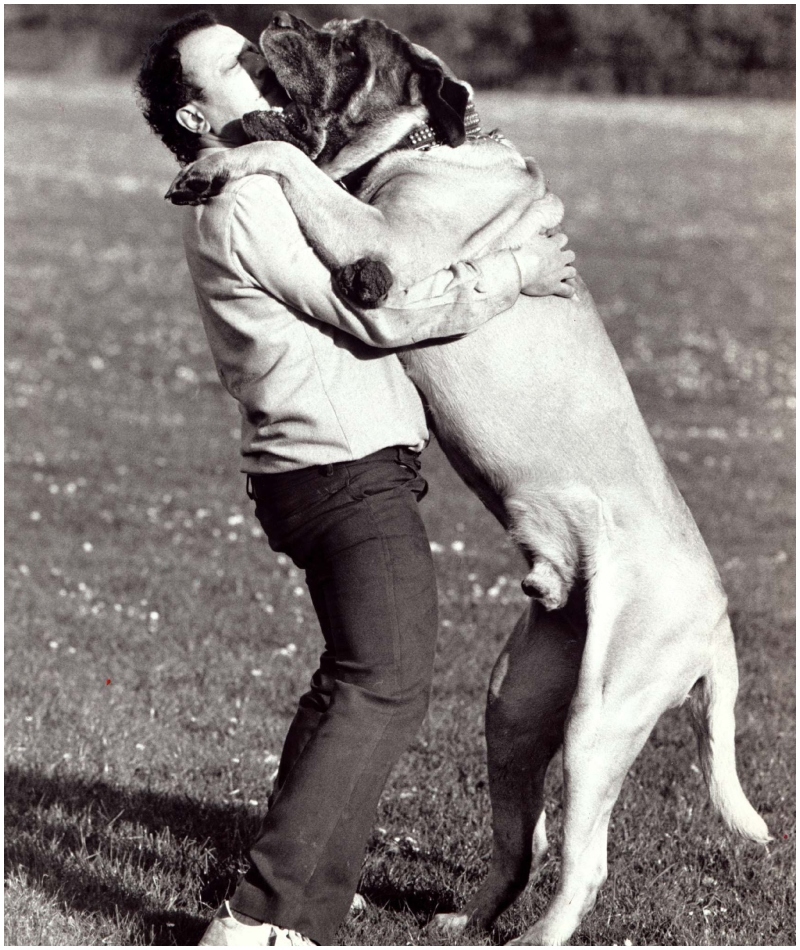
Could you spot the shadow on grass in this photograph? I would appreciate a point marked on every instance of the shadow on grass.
(46, 819)
(57, 856)
(406, 899)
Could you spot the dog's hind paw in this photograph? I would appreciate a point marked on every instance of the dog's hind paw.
(366, 283)
(545, 584)
(449, 923)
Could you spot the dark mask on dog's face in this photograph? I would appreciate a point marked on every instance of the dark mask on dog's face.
(351, 76)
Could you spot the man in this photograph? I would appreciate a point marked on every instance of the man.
(331, 434)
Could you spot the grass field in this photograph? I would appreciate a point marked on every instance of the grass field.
(154, 644)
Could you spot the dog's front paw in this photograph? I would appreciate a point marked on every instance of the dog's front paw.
(196, 184)
(366, 283)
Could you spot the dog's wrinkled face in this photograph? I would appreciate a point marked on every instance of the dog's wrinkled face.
(354, 77)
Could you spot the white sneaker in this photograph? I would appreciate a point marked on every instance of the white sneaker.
(226, 931)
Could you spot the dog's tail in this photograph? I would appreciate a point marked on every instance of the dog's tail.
(711, 703)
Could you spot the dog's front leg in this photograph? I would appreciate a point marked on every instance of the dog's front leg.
(350, 236)
(338, 226)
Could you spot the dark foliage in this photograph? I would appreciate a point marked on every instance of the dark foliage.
(675, 49)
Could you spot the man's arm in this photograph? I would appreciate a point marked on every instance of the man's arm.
(269, 249)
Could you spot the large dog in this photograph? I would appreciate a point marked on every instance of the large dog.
(628, 616)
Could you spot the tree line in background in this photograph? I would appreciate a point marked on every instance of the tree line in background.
(656, 49)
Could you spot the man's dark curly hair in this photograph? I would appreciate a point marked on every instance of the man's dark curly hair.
(163, 88)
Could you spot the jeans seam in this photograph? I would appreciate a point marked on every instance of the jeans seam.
(356, 779)
(397, 652)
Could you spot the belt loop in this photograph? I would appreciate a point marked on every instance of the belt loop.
(248, 487)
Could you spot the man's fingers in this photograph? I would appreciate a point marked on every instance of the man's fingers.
(560, 239)
(569, 256)
(569, 272)
(564, 290)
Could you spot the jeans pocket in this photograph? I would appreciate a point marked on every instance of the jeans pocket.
(287, 509)
(389, 475)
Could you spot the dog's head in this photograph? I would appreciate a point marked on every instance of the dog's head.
(358, 86)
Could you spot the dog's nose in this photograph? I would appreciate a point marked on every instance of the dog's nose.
(282, 21)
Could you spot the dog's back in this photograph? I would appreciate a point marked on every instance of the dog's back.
(460, 203)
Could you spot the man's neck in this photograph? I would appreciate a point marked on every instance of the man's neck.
(209, 148)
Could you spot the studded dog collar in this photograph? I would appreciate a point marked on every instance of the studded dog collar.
(424, 136)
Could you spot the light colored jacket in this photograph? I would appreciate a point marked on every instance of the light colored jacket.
(301, 362)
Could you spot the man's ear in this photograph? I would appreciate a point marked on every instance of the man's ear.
(192, 119)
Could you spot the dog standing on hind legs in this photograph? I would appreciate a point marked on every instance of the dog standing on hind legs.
(548, 688)
(629, 618)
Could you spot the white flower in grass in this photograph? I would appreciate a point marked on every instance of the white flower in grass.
(457, 546)
(436, 548)
(186, 374)
(140, 746)
(236, 519)
(88, 546)
(53, 644)
(36, 516)
(256, 672)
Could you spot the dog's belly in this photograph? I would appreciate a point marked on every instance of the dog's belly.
(537, 400)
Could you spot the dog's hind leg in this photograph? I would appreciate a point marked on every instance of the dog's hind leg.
(640, 659)
(531, 687)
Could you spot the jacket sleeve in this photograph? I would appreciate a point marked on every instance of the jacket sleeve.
(269, 250)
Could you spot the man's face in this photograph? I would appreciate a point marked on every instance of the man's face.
(232, 73)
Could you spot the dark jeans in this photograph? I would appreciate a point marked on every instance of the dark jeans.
(355, 530)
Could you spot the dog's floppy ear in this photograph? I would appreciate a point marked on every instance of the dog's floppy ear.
(445, 98)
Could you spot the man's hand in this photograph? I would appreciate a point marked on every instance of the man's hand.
(544, 264)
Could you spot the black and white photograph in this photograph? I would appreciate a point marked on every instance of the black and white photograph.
(400, 475)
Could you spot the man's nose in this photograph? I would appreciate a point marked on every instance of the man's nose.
(282, 21)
